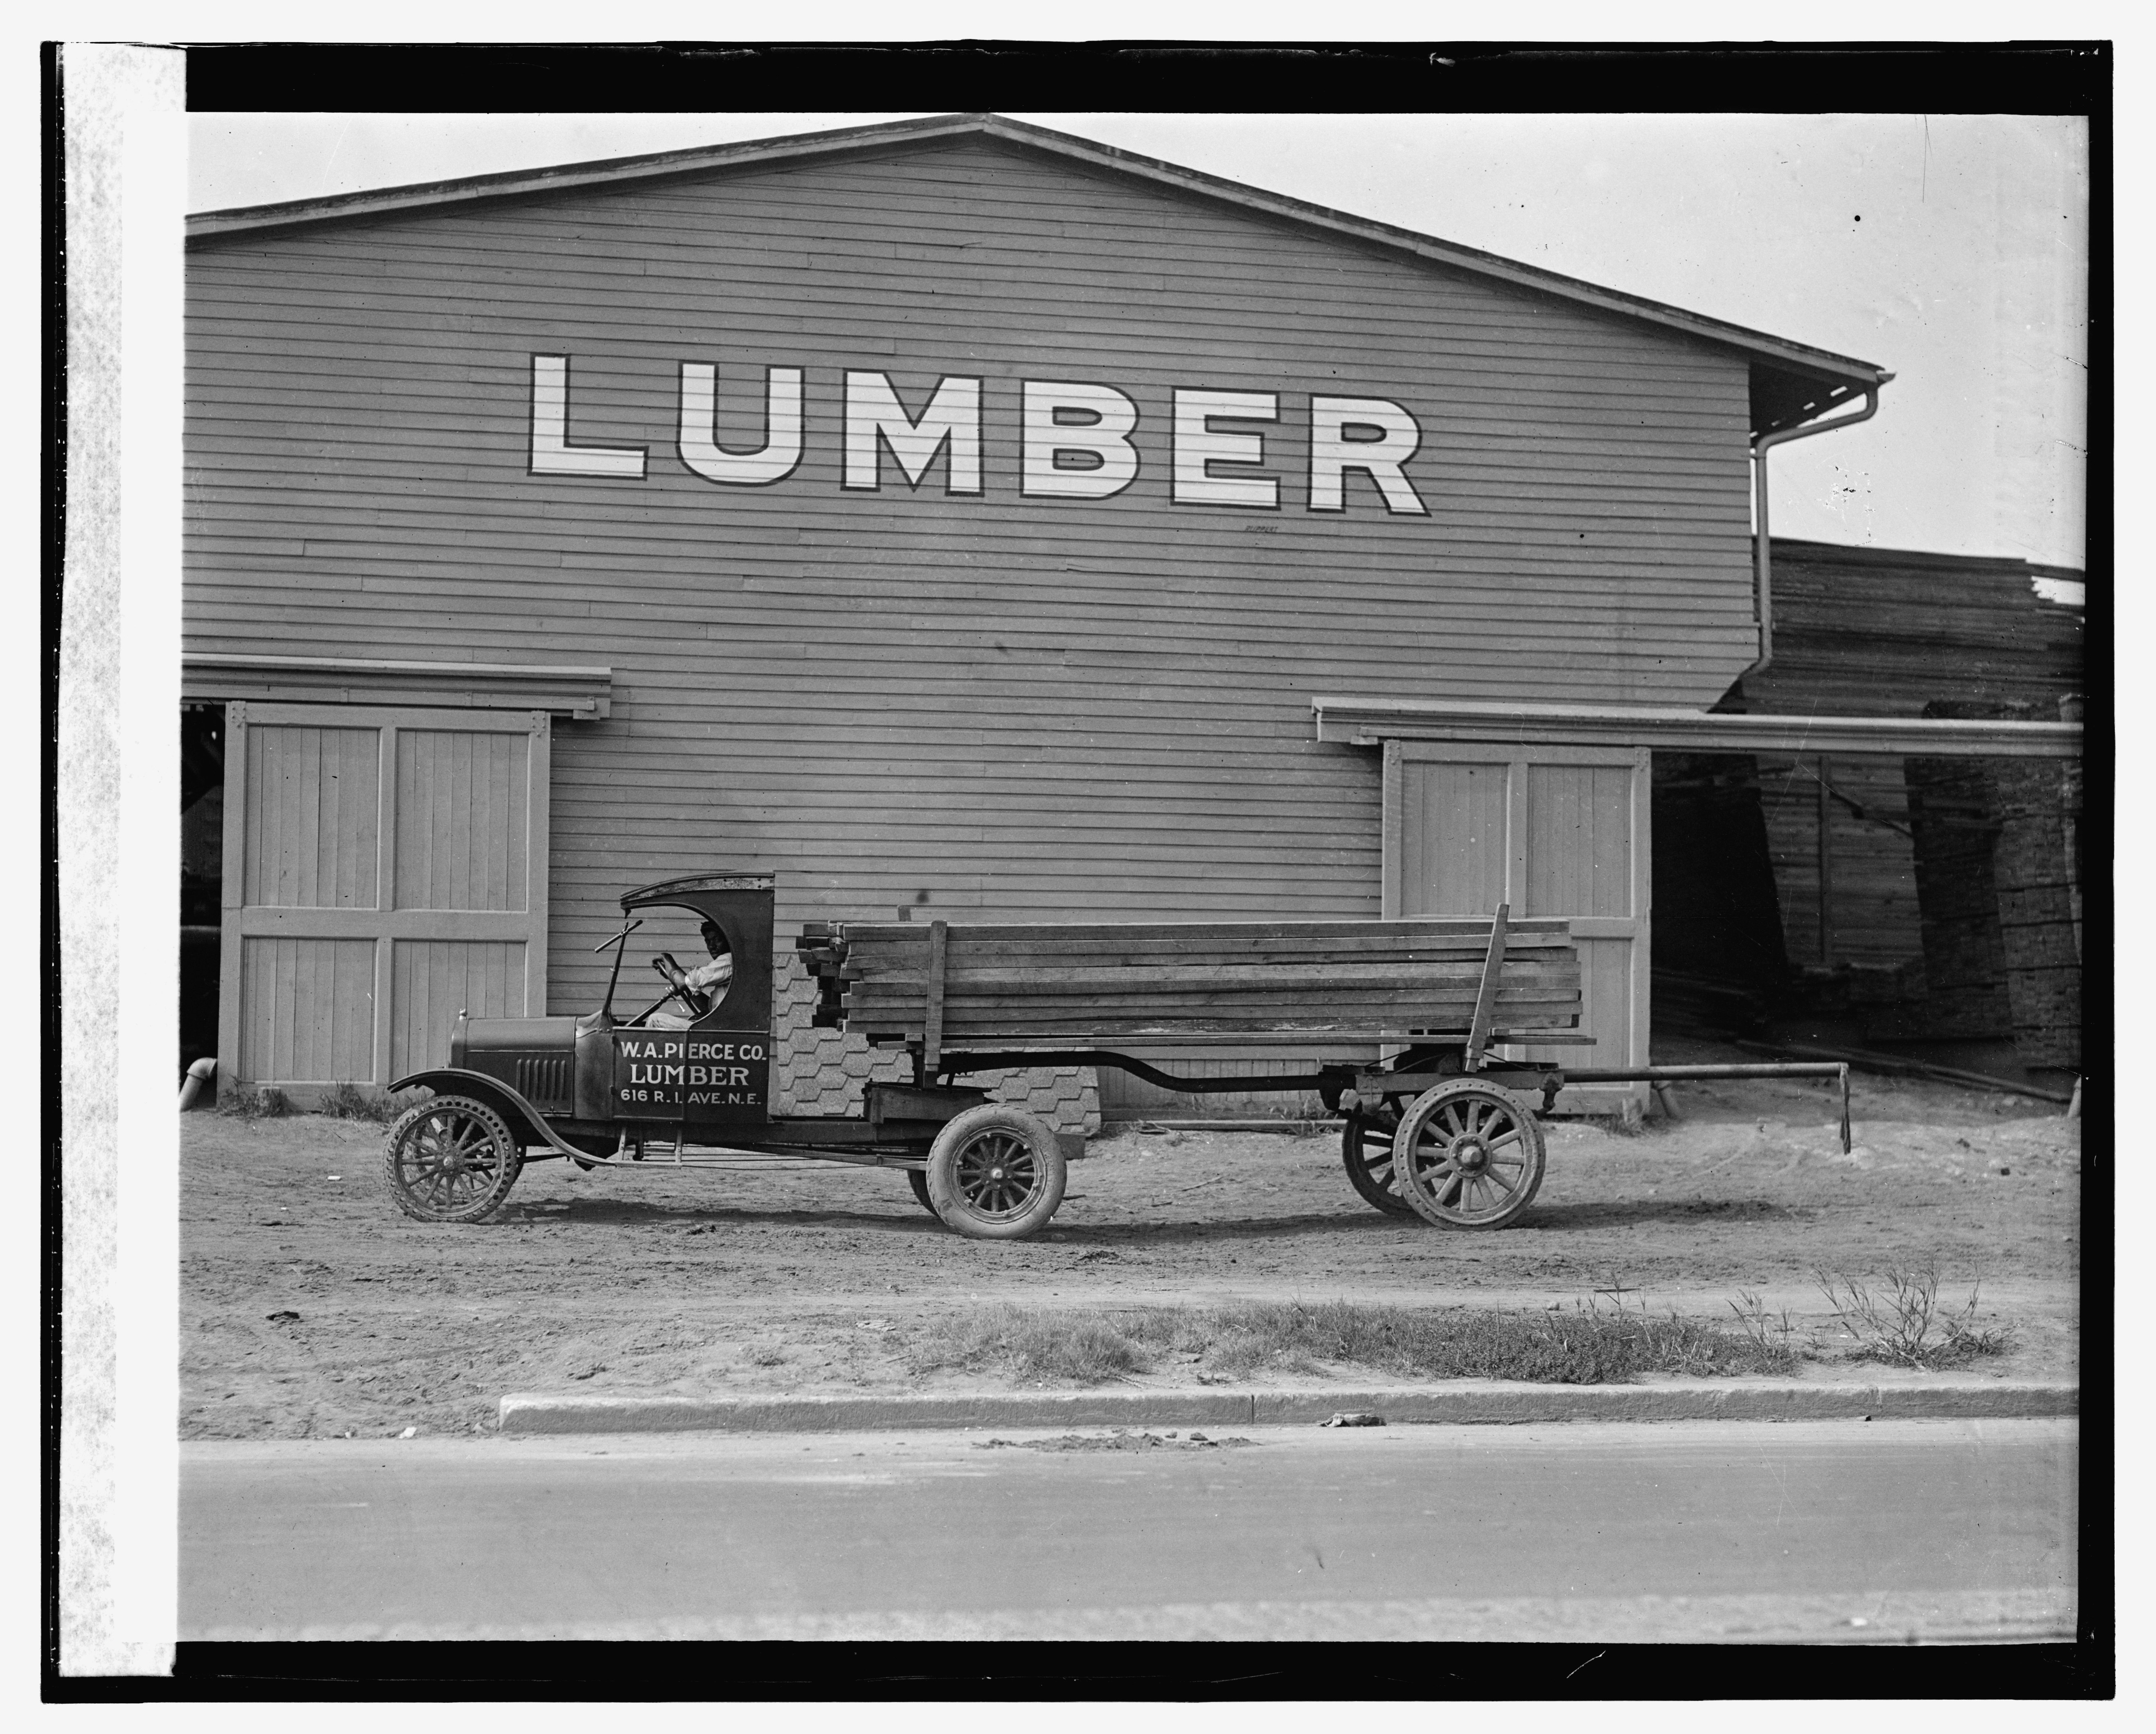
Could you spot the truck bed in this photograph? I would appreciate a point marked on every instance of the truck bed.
(980, 985)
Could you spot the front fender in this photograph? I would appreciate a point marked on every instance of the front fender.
(503, 1099)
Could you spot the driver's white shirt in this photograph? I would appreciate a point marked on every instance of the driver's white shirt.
(717, 973)
(712, 977)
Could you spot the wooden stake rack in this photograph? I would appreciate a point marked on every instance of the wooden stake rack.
(942, 989)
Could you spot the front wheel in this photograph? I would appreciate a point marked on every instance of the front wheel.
(1468, 1155)
(996, 1172)
(452, 1159)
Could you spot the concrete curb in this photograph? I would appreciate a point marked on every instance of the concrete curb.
(1466, 1402)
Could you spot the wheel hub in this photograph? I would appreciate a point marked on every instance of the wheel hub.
(1470, 1155)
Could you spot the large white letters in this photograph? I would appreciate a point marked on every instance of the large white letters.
(1198, 447)
(953, 414)
(1044, 439)
(1332, 453)
(552, 454)
(699, 446)
(1076, 439)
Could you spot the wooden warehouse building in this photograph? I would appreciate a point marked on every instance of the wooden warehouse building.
(951, 514)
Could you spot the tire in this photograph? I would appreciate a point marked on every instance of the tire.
(1468, 1155)
(995, 1173)
(452, 1159)
(917, 1178)
(1366, 1152)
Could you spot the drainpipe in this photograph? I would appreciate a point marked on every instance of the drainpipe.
(1762, 562)
(198, 1078)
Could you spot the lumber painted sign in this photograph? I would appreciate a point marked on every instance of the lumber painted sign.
(1075, 440)
(690, 1074)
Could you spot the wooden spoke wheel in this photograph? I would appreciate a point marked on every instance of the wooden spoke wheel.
(451, 1160)
(1366, 1152)
(996, 1172)
(1468, 1155)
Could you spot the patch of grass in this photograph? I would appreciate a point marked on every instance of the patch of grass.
(1906, 1325)
(351, 1102)
(1083, 1346)
(1587, 1344)
(243, 1101)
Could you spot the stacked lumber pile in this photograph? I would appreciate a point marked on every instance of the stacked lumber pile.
(987, 986)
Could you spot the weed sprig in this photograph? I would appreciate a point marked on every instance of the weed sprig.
(1906, 1326)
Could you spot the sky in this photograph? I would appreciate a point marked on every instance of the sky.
(1950, 249)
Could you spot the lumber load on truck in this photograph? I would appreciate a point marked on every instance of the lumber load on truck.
(989, 985)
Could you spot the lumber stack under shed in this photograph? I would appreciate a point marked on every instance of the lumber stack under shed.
(990, 985)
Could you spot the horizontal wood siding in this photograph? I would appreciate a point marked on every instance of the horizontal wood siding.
(435, 979)
(309, 1010)
(992, 705)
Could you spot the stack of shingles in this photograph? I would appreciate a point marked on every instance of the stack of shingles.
(1072, 983)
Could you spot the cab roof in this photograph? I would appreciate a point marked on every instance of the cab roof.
(671, 890)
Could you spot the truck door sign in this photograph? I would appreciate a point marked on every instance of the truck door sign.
(689, 1075)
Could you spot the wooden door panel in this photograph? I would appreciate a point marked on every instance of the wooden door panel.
(462, 822)
(1579, 840)
(313, 802)
(432, 980)
(359, 920)
(1554, 832)
(307, 1009)
(1457, 838)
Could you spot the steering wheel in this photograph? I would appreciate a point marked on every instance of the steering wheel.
(677, 979)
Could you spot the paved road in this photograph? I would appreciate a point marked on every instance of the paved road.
(1847, 1532)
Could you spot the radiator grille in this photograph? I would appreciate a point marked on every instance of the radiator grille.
(544, 1080)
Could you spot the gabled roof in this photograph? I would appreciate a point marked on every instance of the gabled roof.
(1791, 382)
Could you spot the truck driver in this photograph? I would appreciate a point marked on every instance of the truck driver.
(697, 990)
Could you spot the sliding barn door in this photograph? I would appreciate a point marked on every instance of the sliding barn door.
(383, 870)
(1552, 831)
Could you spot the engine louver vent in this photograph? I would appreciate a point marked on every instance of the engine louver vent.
(544, 1080)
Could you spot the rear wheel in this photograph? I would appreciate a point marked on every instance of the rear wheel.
(996, 1172)
(917, 1178)
(1468, 1155)
(452, 1159)
(1366, 1152)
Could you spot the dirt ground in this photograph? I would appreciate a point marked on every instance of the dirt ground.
(310, 1307)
